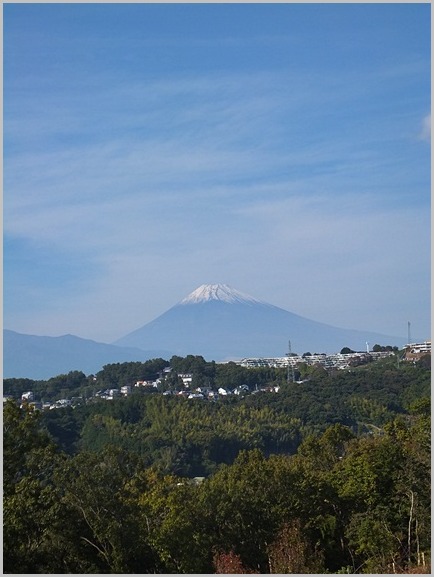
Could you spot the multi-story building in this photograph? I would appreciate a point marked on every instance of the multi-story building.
(338, 360)
(414, 351)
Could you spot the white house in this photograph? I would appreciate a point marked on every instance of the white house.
(195, 396)
(187, 378)
(241, 389)
(63, 403)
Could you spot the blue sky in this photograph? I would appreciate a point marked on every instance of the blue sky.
(283, 149)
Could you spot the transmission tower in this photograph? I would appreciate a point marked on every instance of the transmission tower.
(408, 333)
(290, 374)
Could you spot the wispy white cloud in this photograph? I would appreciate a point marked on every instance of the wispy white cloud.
(425, 132)
(271, 180)
(316, 255)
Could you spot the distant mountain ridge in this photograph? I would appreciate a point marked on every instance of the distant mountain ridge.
(40, 357)
(221, 323)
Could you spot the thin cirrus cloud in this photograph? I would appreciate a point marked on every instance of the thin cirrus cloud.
(104, 182)
(331, 253)
(242, 158)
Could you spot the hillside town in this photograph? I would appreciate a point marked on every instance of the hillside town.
(344, 360)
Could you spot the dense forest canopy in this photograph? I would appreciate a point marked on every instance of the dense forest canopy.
(329, 473)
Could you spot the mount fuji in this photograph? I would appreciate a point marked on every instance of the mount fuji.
(221, 323)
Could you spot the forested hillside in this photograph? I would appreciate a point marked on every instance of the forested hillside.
(329, 474)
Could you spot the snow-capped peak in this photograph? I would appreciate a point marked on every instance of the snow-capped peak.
(217, 292)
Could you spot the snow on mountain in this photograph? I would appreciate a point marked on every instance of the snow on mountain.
(221, 323)
(218, 292)
(215, 321)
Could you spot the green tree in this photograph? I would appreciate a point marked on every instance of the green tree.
(383, 491)
(170, 517)
(32, 514)
(240, 505)
(93, 487)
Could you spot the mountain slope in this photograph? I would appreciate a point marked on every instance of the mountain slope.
(38, 357)
(221, 323)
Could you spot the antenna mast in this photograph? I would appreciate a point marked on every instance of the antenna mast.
(408, 333)
(290, 374)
